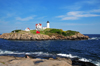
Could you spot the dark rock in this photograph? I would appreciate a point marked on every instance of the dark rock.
(81, 63)
(65, 59)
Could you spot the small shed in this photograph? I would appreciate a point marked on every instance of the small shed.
(37, 32)
(27, 29)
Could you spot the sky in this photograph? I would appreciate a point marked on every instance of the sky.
(78, 15)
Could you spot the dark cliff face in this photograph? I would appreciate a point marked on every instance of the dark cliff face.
(29, 36)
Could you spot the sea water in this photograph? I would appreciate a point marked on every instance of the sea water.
(85, 50)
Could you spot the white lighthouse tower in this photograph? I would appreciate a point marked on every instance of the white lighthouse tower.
(48, 25)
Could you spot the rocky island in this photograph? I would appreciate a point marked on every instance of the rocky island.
(47, 34)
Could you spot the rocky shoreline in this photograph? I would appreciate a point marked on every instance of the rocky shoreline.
(29, 61)
(29, 36)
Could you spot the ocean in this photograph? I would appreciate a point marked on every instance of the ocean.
(86, 50)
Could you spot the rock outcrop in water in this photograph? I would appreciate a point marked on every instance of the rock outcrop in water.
(21, 61)
(29, 36)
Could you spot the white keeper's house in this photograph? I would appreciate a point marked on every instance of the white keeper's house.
(39, 26)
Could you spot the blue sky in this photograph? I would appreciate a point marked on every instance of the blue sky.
(77, 15)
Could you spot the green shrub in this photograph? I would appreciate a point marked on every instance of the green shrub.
(64, 33)
(70, 32)
(16, 30)
(33, 31)
(58, 31)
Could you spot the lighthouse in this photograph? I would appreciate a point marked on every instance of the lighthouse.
(39, 26)
(48, 25)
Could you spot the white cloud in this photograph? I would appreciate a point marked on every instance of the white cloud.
(95, 10)
(81, 14)
(42, 17)
(80, 4)
(92, 1)
(74, 15)
(8, 15)
(69, 18)
(76, 24)
(4, 22)
(71, 7)
(24, 19)
(18, 23)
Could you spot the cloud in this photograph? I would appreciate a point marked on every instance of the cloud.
(18, 23)
(42, 17)
(4, 22)
(10, 14)
(91, 1)
(69, 18)
(80, 4)
(81, 14)
(24, 19)
(7, 15)
(76, 24)
(95, 10)
(71, 7)
(74, 15)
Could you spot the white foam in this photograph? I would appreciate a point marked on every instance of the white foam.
(81, 59)
(85, 60)
(16, 52)
(67, 55)
(94, 38)
(5, 52)
(71, 56)
(98, 63)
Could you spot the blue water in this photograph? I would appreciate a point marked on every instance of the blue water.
(86, 50)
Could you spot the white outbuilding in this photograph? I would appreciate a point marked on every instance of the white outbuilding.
(27, 29)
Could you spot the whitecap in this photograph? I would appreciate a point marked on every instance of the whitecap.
(85, 60)
(94, 38)
(67, 55)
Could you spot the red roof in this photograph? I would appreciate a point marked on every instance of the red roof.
(28, 28)
(36, 24)
(39, 24)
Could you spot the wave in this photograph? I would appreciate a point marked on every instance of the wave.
(16, 52)
(67, 55)
(3, 52)
(71, 56)
(80, 58)
(94, 38)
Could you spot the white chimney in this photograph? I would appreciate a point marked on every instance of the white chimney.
(48, 26)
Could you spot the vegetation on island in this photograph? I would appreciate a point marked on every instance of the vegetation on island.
(16, 30)
(50, 32)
